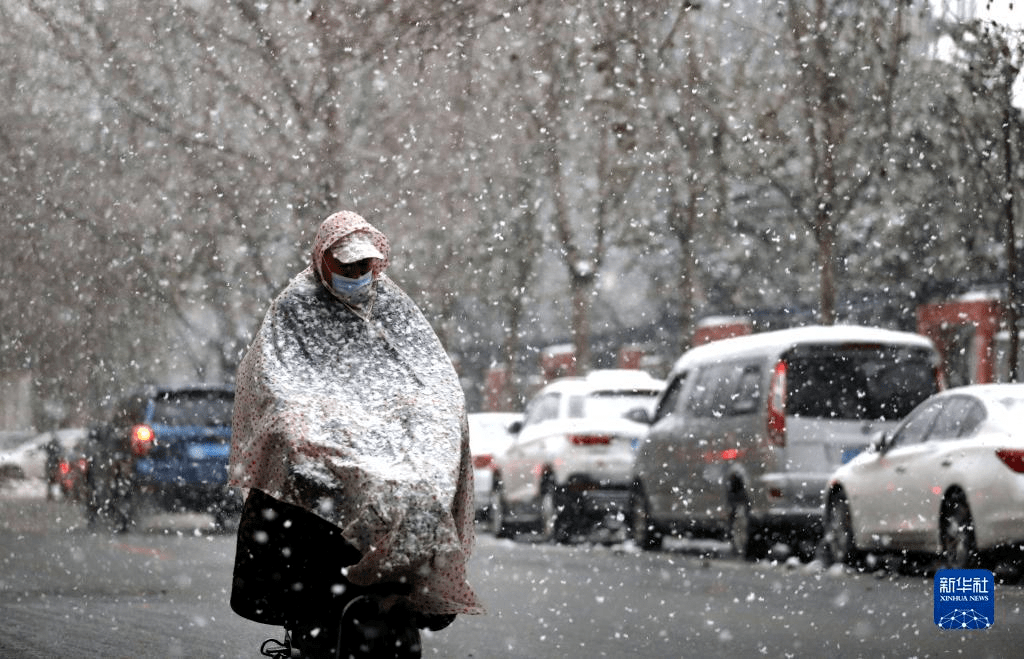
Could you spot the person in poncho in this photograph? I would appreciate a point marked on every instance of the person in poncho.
(350, 439)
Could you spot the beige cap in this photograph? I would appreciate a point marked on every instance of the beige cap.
(355, 247)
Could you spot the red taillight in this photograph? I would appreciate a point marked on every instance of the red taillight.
(724, 455)
(64, 468)
(589, 440)
(141, 440)
(1014, 458)
(777, 406)
(483, 461)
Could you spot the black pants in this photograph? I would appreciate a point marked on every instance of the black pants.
(288, 565)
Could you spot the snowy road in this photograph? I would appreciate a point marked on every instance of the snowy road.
(162, 592)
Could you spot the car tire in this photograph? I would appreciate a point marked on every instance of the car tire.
(744, 538)
(500, 526)
(838, 538)
(641, 527)
(226, 514)
(553, 526)
(956, 533)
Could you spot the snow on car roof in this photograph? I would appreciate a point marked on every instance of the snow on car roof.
(990, 392)
(609, 379)
(780, 340)
(1003, 400)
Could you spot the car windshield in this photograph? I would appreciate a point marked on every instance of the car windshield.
(193, 409)
(610, 403)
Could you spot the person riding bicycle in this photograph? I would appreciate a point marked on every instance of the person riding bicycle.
(350, 438)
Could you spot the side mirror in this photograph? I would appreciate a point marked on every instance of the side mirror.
(639, 415)
(880, 442)
(515, 427)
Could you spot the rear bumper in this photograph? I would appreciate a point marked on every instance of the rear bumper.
(791, 503)
(597, 500)
(175, 484)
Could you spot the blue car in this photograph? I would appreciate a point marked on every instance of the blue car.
(163, 448)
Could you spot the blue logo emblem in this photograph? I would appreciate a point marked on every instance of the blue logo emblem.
(965, 599)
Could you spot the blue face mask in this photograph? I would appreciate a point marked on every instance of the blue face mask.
(353, 291)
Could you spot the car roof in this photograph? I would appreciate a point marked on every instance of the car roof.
(609, 379)
(778, 341)
(494, 415)
(994, 396)
(988, 393)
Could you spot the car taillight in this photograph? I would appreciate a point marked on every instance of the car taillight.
(64, 468)
(589, 440)
(724, 455)
(777, 406)
(1014, 458)
(483, 461)
(141, 440)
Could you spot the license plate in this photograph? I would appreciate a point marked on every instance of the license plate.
(206, 451)
(850, 454)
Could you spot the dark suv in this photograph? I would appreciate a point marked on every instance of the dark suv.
(165, 448)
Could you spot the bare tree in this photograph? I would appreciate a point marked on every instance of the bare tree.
(821, 124)
(992, 61)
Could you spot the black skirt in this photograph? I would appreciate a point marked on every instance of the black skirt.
(288, 564)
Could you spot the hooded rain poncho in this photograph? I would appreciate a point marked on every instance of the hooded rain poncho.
(357, 415)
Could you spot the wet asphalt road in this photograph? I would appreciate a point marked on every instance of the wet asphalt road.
(162, 591)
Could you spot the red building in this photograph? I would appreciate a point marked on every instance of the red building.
(965, 332)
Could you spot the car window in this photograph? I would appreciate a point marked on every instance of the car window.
(542, 408)
(615, 403)
(702, 395)
(671, 402)
(858, 382)
(725, 390)
(916, 427)
(974, 416)
(748, 391)
(960, 417)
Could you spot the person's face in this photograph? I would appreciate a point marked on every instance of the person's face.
(352, 270)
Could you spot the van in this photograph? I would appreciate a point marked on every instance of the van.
(748, 430)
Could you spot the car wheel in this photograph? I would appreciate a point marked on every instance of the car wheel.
(226, 514)
(956, 532)
(838, 540)
(640, 525)
(553, 527)
(500, 527)
(742, 534)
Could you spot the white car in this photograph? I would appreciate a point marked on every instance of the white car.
(948, 481)
(28, 459)
(571, 463)
(489, 436)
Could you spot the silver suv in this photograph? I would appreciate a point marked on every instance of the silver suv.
(749, 430)
(570, 465)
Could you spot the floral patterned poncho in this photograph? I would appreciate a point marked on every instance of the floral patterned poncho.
(360, 419)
